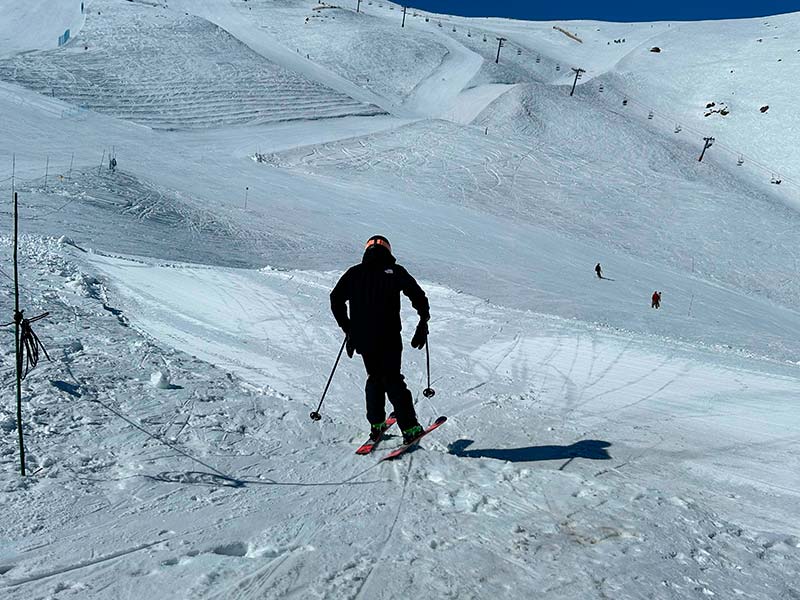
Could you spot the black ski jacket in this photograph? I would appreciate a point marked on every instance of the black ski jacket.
(372, 289)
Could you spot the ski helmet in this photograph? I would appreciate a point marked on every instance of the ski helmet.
(378, 240)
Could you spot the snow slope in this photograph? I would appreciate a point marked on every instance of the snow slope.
(37, 24)
(163, 70)
(595, 447)
(240, 495)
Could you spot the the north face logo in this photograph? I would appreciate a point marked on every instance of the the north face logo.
(389, 272)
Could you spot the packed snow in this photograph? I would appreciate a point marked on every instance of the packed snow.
(594, 448)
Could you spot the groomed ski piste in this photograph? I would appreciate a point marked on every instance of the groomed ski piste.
(594, 448)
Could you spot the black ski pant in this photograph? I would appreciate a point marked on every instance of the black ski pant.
(383, 362)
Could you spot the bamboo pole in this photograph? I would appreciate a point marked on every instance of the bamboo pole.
(17, 320)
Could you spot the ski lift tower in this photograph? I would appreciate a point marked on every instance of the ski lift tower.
(709, 141)
(500, 43)
(578, 73)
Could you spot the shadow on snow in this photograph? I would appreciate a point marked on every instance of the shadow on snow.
(589, 449)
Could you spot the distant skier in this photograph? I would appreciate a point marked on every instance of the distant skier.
(112, 165)
(372, 289)
(656, 300)
(599, 270)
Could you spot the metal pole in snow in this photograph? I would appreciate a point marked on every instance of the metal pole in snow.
(404, 17)
(500, 41)
(246, 190)
(708, 142)
(46, 171)
(358, 8)
(578, 73)
(71, 162)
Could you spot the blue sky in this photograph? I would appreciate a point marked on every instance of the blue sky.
(614, 10)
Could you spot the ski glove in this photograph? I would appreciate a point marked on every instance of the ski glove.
(351, 347)
(420, 336)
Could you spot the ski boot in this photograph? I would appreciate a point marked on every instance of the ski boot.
(376, 431)
(412, 433)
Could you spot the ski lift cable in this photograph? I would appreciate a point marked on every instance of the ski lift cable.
(655, 114)
(759, 165)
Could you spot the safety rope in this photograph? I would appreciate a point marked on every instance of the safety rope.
(30, 344)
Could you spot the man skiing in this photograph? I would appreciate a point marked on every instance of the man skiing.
(599, 270)
(656, 300)
(372, 289)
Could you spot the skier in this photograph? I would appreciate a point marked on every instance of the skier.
(372, 289)
(112, 164)
(656, 300)
(599, 270)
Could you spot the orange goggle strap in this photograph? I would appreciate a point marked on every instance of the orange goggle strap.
(378, 242)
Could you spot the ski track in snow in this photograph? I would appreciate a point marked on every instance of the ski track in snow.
(594, 448)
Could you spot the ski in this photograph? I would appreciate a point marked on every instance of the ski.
(370, 445)
(401, 449)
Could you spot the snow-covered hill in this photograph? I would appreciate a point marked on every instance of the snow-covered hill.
(165, 70)
(594, 448)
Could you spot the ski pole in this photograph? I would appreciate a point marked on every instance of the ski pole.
(428, 392)
(315, 416)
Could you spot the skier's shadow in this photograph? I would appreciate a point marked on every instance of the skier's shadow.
(590, 449)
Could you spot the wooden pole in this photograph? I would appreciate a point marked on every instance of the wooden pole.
(17, 340)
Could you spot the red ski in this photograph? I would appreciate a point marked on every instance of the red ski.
(401, 449)
(370, 445)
